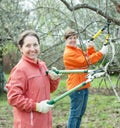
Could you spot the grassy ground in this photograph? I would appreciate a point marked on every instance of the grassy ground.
(103, 111)
(6, 117)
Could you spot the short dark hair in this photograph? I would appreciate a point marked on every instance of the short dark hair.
(69, 32)
(24, 34)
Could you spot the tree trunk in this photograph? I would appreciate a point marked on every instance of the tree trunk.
(2, 75)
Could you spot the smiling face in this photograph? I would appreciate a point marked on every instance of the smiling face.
(72, 40)
(30, 47)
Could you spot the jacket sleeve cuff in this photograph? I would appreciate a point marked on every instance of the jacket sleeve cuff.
(91, 50)
(34, 107)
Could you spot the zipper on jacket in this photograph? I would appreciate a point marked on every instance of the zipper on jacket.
(31, 119)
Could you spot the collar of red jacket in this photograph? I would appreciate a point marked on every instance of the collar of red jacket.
(31, 61)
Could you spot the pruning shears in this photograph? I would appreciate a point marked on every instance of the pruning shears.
(92, 75)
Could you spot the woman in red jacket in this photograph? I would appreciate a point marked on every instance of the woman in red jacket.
(75, 58)
(29, 87)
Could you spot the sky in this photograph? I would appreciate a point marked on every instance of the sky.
(27, 4)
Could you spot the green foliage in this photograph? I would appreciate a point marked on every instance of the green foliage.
(9, 48)
(6, 115)
(11, 56)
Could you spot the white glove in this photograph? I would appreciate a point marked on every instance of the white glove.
(43, 106)
(89, 44)
(53, 75)
(104, 49)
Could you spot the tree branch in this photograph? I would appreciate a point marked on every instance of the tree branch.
(98, 11)
(115, 2)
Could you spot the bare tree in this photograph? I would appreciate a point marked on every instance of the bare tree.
(51, 18)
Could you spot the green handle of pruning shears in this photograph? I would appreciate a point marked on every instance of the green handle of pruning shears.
(56, 71)
(69, 71)
(53, 101)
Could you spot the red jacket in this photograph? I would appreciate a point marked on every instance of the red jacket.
(27, 85)
(74, 58)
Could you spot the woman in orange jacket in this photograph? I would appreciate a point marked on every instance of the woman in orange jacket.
(76, 58)
(29, 86)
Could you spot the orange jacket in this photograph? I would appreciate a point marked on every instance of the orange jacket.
(28, 84)
(74, 58)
